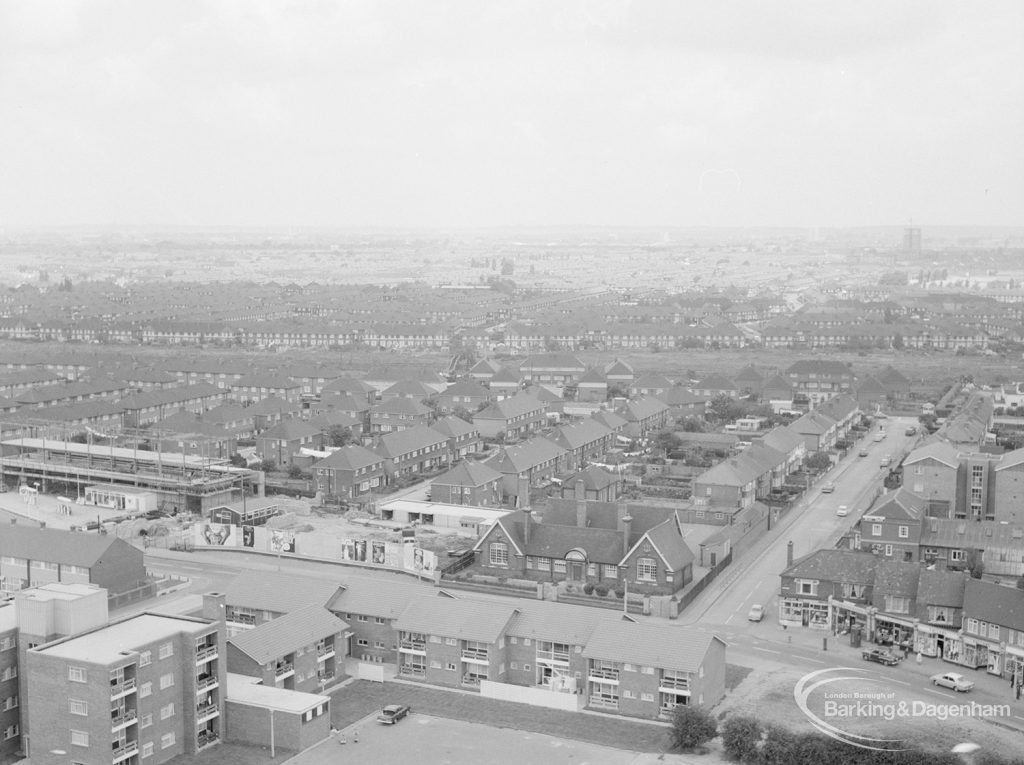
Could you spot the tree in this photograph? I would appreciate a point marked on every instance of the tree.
(463, 414)
(339, 435)
(268, 466)
(692, 727)
(817, 461)
(974, 564)
(724, 408)
(691, 424)
(741, 735)
(295, 472)
(897, 342)
(667, 440)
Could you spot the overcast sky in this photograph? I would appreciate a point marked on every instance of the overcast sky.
(433, 113)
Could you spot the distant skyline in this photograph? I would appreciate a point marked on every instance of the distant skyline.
(479, 114)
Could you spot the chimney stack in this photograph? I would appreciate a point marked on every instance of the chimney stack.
(789, 554)
(527, 521)
(581, 505)
(627, 527)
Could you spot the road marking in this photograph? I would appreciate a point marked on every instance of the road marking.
(936, 693)
(767, 650)
(899, 682)
(1019, 717)
(807, 658)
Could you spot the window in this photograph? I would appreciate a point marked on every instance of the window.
(972, 626)
(166, 650)
(145, 658)
(145, 690)
(435, 664)
(378, 620)
(451, 667)
(146, 720)
(362, 618)
(77, 707)
(904, 532)
(8, 643)
(11, 702)
(166, 740)
(513, 640)
(646, 570)
(646, 670)
(79, 738)
(451, 641)
(876, 529)
(526, 668)
(436, 639)
(543, 564)
(611, 572)
(888, 550)
(166, 711)
(498, 554)
(378, 644)
(559, 566)
(807, 587)
(993, 632)
(77, 674)
(147, 749)
(646, 697)
(10, 673)
(628, 694)
(957, 555)
(363, 642)
(526, 641)
(166, 681)
(11, 731)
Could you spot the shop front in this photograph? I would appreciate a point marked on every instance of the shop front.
(936, 642)
(848, 617)
(1014, 665)
(806, 613)
(893, 631)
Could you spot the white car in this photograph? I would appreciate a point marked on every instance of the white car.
(756, 613)
(953, 680)
(842, 511)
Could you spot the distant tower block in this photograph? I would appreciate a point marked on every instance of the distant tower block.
(912, 240)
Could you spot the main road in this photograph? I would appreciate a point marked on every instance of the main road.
(811, 524)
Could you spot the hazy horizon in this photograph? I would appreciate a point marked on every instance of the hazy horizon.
(481, 115)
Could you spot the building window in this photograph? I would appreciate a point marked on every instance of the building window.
(451, 667)
(79, 738)
(166, 711)
(145, 658)
(543, 564)
(11, 702)
(559, 566)
(646, 697)
(451, 641)
(435, 664)
(145, 690)
(972, 626)
(77, 707)
(611, 572)
(77, 674)
(362, 642)
(876, 529)
(499, 554)
(807, 588)
(646, 570)
(166, 681)
(166, 740)
(378, 620)
(146, 720)
(147, 749)
(904, 532)
(957, 555)
(166, 650)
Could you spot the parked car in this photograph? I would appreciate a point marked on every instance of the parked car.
(879, 437)
(885, 461)
(756, 613)
(842, 511)
(911, 431)
(881, 656)
(953, 680)
(392, 713)
(863, 453)
(828, 488)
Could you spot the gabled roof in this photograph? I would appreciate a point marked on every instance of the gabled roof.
(870, 386)
(296, 629)
(650, 381)
(58, 546)
(351, 457)
(677, 395)
(529, 454)
(776, 383)
(515, 406)
(715, 382)
(558, 622)
(349, 385)
(344, 402)
(291, 430)
(553, 361)
(273, 405)
(939, 588)
(783, 439)
(593, 477)
(819, 367)
(454, 427)
(650, 645)
(329, 419)
(402, 442)
(994, 603)
(895, 578)
(813, 423)
(409, 389)
(891, 377)
(467, 386)
(1010, 459)
(611, 420)
(641, 408)
(277, 592)
(619, 368)
(485, 367)
(580, 434)
(849, 566)
(592, 377)
(404, 406)
(940, 451)
(669, 545)
(749, 373)
(901, 505)
(506, 375)
(377, 597)
(962, 534)
(467, 473)
(479, 620)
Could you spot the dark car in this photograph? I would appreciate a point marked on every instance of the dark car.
(881, 656)
(392, 713)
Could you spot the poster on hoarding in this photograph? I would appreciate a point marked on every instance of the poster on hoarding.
(282, 541)
(377, 553)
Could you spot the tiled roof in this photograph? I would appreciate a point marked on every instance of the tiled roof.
(344, 402)
(467, 386)
(168, 396)
(677, 395)
(291, 430)
(670, 545)
(277, 592)
(650, 381)
(468, 473)
(650, 645)
(619, 368)
(518, 459)
(594, 478)
(1010, 459)
(819, 367)
(939, 588)
(579, 434)
(402, 442)
(940, 451)
(406, 406)
(296, 629)
(610, 419)
(851, 566)
(378, 597)
(273, 405)
(351, 457)
(901, 505)
(349, 385)
(592, 377)
(642, 408)
(57, 546)
(554, 361)
(479, 620)
(896, 578)
(994, 603)
(947, 532)
(515, 406)
(454, 427)
(558, 622)
(409, 388)
(783, 439)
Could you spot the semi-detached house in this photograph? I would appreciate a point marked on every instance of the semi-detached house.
(350, 472)
(413, 450)
(530, 464)
(511, 418)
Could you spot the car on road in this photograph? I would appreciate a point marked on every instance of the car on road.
(756, 613)
(881, 656)
(885, 461)
(911, 431)
(863, 453)
(879, 437)
(842, 511)
(828, 488)
(953, 680)
(392, 713)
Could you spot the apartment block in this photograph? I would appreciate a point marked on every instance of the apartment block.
(147, 688)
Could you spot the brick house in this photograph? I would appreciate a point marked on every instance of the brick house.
(511, 418)
(283, 442)
(592, 482)
(893, 528)
(530, 464)
(592, 386)
(350, 472)
(583, 441)
(827, 589)
(398, 414)
(466, 393)
(463, 437)
(468, 483)
(644, 416)
(412, 450)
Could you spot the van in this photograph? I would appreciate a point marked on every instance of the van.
(879, 437)
(885, 461)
